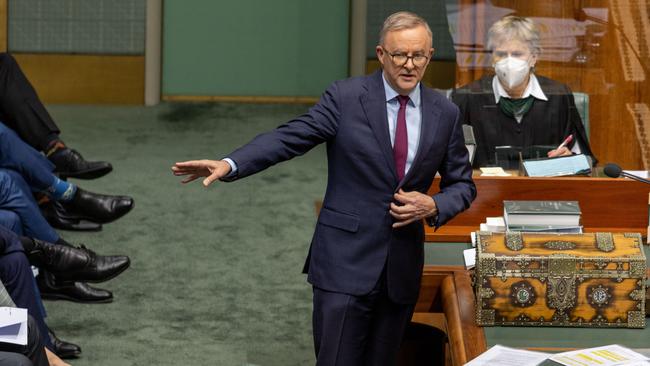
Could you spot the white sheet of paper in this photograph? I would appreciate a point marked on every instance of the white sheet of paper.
(638, 173)
(13, 325)
(609, 355)
(494, 172)
(506, 356)
(469, 255)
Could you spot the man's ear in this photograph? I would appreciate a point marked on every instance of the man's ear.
(380, 54)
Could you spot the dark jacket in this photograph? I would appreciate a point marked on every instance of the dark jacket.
(546, 123)
(354, 239)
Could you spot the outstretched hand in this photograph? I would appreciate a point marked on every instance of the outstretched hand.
(211, 169)
(415, 206)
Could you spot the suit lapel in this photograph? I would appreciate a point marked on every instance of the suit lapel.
(428, 130)
(374, 106)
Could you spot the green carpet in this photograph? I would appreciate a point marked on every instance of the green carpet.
(216, 273)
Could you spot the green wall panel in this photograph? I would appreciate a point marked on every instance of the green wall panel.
(254, 47)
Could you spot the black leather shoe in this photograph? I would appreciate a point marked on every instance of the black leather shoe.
(96, 207)
(63, 349)
(52, 289)
(68, 263)
(69, 163)
(59, 218)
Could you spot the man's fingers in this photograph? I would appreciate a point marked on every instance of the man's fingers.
(211, 178)
(401, 209)
(403, 223)
(191, 178)
(191, 164)
(400, 216)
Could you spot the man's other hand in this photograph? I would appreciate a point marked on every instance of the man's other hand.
(415, 206)
(212, 169)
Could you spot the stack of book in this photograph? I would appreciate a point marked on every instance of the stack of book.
(542, 216)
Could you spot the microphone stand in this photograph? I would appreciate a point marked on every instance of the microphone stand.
(635, 177)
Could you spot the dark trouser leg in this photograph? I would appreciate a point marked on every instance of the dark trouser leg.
(16, 155)
(34, 349)
(358, 330)
(15, 196)
(20, 107)
(11, 221)
(16, 275)
(14, 359)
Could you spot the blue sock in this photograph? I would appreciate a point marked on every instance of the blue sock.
(62, 191)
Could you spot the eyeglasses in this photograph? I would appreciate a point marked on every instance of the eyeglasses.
(400, 59)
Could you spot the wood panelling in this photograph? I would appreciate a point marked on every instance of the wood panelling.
(607, 204)
(239, 99)
(88, 79)
(595, 69)
(3, 25)
(439, 74)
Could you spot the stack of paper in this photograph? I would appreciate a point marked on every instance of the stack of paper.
(505, 356)
(13, 325)
(494, 172)
(612, 355)
(494, 224)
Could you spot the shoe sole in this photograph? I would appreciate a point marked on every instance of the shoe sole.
(86, 174)
(56, 297)
(67, 356)
(95, 220)
(113, 275)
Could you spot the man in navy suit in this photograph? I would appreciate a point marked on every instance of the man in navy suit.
(387, 136)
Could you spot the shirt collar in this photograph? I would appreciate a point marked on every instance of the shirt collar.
(391, 94)
(533, 89)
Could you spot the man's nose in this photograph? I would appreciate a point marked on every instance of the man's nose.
(409, 64)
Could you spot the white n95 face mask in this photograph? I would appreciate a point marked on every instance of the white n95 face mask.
(511, 71)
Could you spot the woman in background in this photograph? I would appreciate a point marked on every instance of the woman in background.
(515, 107)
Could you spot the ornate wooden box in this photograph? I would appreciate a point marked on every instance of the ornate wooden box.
(576, 280)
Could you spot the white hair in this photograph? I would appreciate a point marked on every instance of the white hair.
(514, 28)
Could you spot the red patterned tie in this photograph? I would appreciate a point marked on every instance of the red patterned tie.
(401, 144)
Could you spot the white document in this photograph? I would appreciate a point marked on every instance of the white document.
(611, 355)
(496, 224)
(505, 356)
(638, 173)
(559, 166)
(469, 255)
(494, 172)
(13, 325)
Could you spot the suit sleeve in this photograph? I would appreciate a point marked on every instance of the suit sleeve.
(291, 139)
(457, 189)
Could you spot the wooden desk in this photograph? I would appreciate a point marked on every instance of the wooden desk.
(607, 204)
(447, 291)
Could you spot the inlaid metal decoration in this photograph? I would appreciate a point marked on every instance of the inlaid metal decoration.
(599, 296)
(514, 241)
(561, 293)
(559, 245)
(522, 294)
(635, 319)
(604, 242)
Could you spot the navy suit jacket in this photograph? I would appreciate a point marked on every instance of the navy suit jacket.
(354, 240)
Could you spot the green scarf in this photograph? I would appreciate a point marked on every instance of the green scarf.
(515, 107)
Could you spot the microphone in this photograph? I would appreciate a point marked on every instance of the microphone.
(614, 171)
